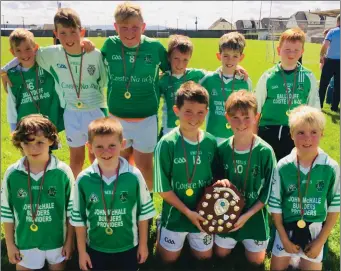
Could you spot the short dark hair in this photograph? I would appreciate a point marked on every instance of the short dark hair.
(181, 43)
(31, 125)
(191, 91)
(105, 126)
(67, 17)
(232, 41)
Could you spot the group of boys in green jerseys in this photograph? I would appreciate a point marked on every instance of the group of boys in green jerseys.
(185, 158)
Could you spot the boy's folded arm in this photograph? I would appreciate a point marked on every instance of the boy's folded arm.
(14, 62)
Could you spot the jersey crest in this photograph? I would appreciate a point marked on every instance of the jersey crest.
(93, 198)
(91, 69)
(52, 191)
(148, 59)
(320, 185)
(124, 196)
(292, 188)
(22, 193)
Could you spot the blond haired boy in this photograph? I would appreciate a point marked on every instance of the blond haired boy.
(248, 162)
(33, 89)
(223, 82)
(282, 88)
(112, 205)
(134, 61)
(305, 199)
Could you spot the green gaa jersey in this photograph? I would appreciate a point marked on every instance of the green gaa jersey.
(168, 86)
(258, 183)
(272, 97)
(132, 203)
(217, 124)
(54, 206)
(19, 100)
(323, 193)
(93, 80)
(143, 75)
(170, 175)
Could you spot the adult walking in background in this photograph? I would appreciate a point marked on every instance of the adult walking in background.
(330, 56)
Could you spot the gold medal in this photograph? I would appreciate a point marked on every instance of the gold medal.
(287, 113)
(228, 126)
(177, 122)
(79, 104)
(127, 95)
(109, 231)
(301, 224)
(189, 192)
(33, 227)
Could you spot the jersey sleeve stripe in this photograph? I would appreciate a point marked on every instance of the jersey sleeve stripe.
(5, 219)
(8, 211)
(147, 210)
(275, 210)
(147, 205)
(5, 207)
(147, 216)
(157, 175)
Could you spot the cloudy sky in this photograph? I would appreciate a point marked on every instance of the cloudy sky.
(166, 13)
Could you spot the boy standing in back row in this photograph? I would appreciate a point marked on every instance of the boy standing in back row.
(282, 88)
(133, 63)
(80, 79)
(223, 82)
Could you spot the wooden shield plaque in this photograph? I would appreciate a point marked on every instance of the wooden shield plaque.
(221, 207)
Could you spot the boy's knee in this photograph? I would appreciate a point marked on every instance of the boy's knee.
(256, 258)
(222, 252)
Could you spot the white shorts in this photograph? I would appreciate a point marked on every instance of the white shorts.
(35, 258)
(174, 241)
(249, 244)
(141, 135)
(76, 125)
(279, 251)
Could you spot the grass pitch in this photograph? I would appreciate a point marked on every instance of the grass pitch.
(258, 58)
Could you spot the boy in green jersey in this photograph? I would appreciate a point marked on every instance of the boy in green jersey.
(80, 79)
(36, 199)
(33, 89)
(305, 198)
(250, 170)
(183, 168)
(223, 82)
(180, 49)
(112, 204)
(134, 61)
(282, 88)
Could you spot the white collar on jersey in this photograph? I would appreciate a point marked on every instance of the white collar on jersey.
(320, 160)
(201, 136)
(124, 167)
(52, 165)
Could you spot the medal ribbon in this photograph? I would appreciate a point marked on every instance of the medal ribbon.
(190, 179)
(306, 185)
(78, 91)
(107, 215)
(248, 162)
(35, 102)
(34, 214)
(125, 68)
(286, 87)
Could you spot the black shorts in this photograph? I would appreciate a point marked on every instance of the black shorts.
(280, 141)
(126, 260)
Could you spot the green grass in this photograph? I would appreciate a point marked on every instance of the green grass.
(258, 58)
